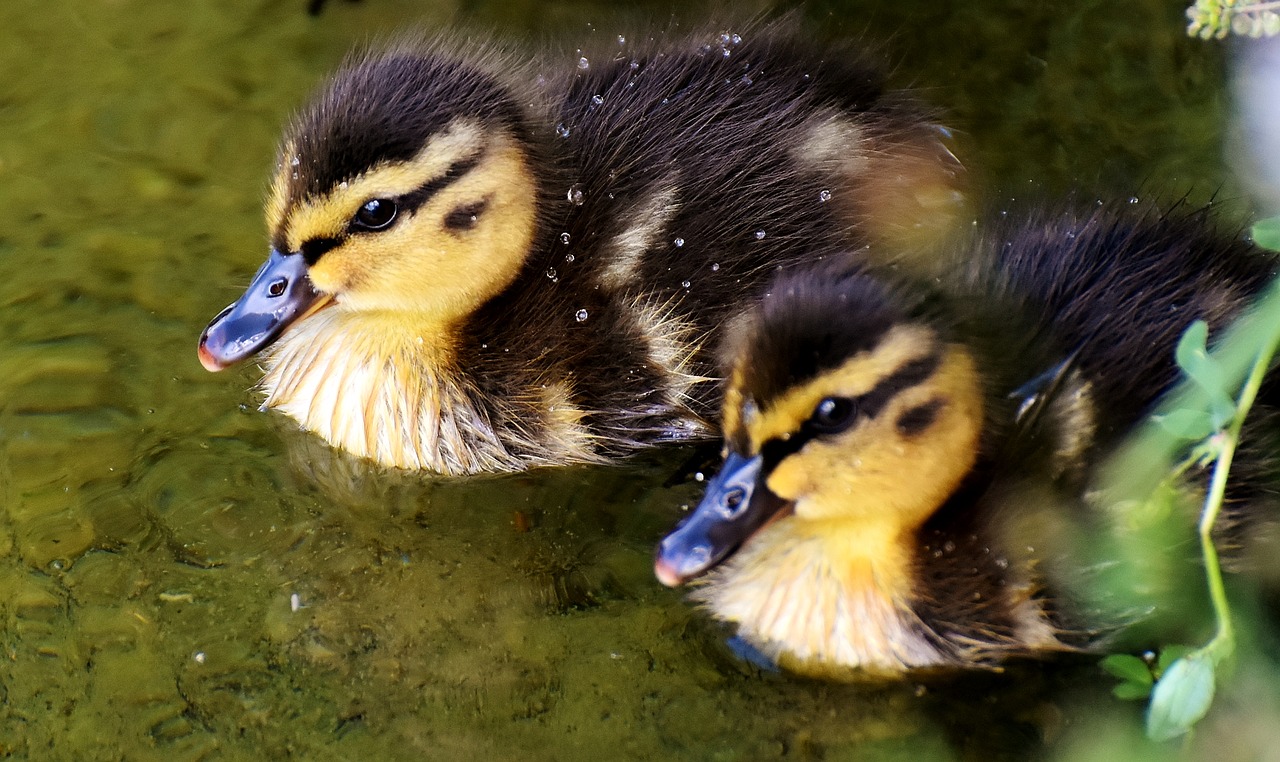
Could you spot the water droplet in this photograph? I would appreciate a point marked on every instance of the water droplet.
(622, 40)
(699, 477)
(342, 185)
(824, 196)
(678, 242)
(568, 258)
(685, 283)
(575, 195)
(580, 315)
(1133, 199)
(737, 38)
(725, 51)
(296, 160)
(746, 80)
(597, 99)
(715, 267)
(759, 235)
(724, 38)
(583, 63)
(551, 273)
(562, 130)
(564, 238)
(633, 66)
(295, 175)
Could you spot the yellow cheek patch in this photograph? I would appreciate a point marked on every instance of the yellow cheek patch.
(875, 473)
(422, 266)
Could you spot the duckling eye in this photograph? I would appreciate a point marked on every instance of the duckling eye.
(376, 214)
(833, 415)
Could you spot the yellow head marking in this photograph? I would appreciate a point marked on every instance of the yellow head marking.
(439, 259)
(278, 196)
(914, 435)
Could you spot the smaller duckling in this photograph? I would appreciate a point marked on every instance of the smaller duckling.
(895, 496)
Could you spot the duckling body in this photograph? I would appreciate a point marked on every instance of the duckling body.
(491, 272)
(887, 499)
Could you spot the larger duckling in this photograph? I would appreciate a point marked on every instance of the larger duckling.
(892, 482)
(475, 267)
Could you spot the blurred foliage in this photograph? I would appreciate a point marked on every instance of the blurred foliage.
(1198, 429)
(1267, 233)
(1248, 18)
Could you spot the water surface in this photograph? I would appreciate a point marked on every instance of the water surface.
(183, 577)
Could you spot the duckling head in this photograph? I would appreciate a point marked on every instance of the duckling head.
(848, 423)
(404, 190)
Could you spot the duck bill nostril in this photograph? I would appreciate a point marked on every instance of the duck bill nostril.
(280, 294)
(736, 505)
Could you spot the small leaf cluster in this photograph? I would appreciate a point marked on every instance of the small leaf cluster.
(1193, 358)
(1245, 18)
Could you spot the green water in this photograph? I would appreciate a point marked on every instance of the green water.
(182, 577)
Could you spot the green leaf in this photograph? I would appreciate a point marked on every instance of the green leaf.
(1170, 654)
(1131, 691)
(1181, 697)
(1129, 668)
(1267, 233)
(1192, 345)
(1186, 423)
(1193, 357)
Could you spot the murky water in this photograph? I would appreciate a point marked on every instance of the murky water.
(182, 577)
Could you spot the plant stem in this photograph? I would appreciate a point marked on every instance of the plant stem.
(1224, 640)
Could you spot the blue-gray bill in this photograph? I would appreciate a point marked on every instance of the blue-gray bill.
(737, 503)
(280, 294)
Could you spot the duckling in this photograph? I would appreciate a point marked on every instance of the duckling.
(892, 483)
(476, 268)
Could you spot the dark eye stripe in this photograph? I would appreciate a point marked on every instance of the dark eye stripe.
(415, 198)
(465, 217)
(315, 248)
(909, 374)
(917, 419)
